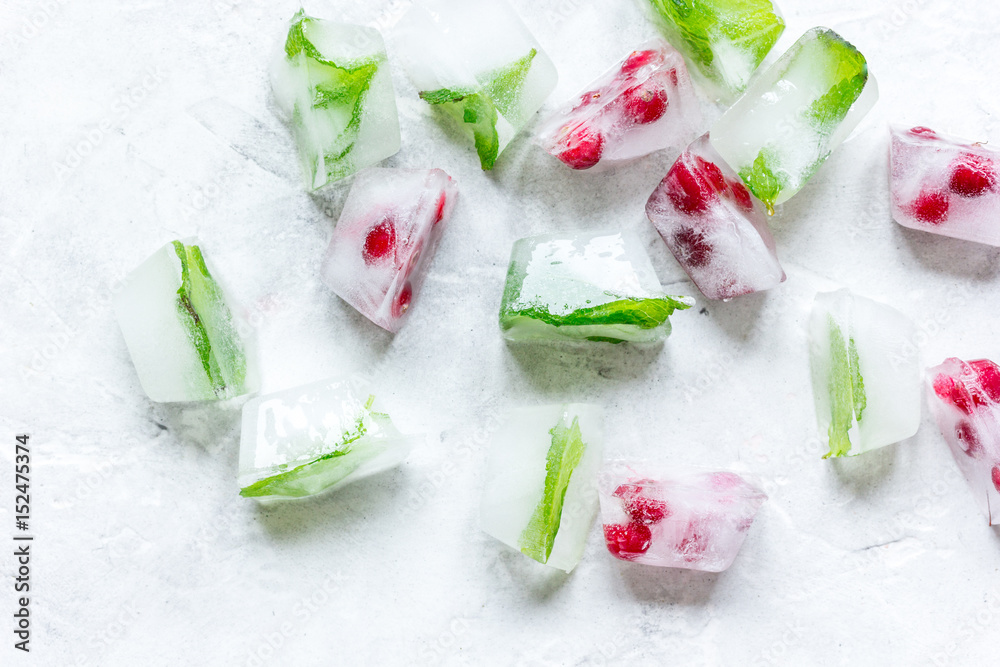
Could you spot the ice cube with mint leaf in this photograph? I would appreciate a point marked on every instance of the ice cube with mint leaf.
(187, 339)
(332, 81)
(540, 493)
(795, 114)
(298, 442)
(596, 287)
(477, 65)
(865, 373)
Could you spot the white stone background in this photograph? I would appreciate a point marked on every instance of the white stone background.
(145, 554)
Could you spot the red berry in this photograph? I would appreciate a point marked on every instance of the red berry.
(694, 250)
(627, 542)
(693, 186)
(439, 214)
(954, 392)
(694, 544)
(641, 507)
(931, 207)
(636, 60)
(583, 148)
(645, 103)
(380, 242)
(972, 175)
(988, 374)
(741, 195)
(402, 301)
(968, 439)
(922, 131)
(995, 475)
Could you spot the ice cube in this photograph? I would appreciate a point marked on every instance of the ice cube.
(944, 185)
(333, 82)
(188, 341)
(477, 63)
(301, 441)
(795, 114)
(585, 287)
(540, 495)
(642, 104)
(865, 373)
(676, 516)
(386, 235)
(717, 232)
(965, 400)
(726, 40)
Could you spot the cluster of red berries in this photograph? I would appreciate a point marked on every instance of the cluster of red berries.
(630, 540)
(970, 176)
(978, 387)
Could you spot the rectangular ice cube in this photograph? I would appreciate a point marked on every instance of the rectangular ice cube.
(540, 495)
(944, 185)
(187, 340)
(964, 397)
(642, 104)
(477, 63)
(333, 82)
(866, 381)
(795, 114)
(585, 287)
(676, 516)
(385, 237)
(717, 232)
(726, 40)
(301, 441)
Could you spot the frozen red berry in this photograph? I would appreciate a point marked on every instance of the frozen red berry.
(402, 301)
(584, 147)
(972, 175)
(692, 186)
(741, 196)
(694, 249)
(931, 207)
(638, 59)
(968, 439)
(645, 103)
(640, 505)
(627, 541)
(988, 374)
(949, 389)
(380, 242)
(922, 131)
(439, 213)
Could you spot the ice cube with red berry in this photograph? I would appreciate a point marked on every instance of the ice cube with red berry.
(716, 230)
(676, 516)
(643, 104)
(385, 237)
(944, 185)
(964, 397)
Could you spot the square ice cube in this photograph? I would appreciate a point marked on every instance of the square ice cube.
(540, 495)
(585, 287)
(301, 441)
(384, 239)
(795, 114)
(717, 232)
(944, 185)
(332, 80)
(477, 63)
(676, 516)
(865, 373)
(187, 340)
(642, 104)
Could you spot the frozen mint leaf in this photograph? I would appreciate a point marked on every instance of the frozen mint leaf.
(474, 110)
(843, 377)
(564, 455)
(504, 85)
(762, 178)
(857, 382)
(201, 306)
(829, 110)
(646, 313)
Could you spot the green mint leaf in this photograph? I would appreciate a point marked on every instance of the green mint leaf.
(647, 313)
(201, 306)
(763, 180)
(476, 112)
(844, 376)
(829, 110)
(504, 86)
(564, 455)
(857, 382)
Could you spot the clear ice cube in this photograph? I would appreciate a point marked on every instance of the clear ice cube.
(585, 287)
(795, 114)
(187, 339)
(384, 239)
(865, 373)
(717, 232)
(944, 185)
(676, 516)
(964, 397)
(477, 63)
(540, 494)
(301, 441)
(332, 81)
(726, 40)
(642, 104)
